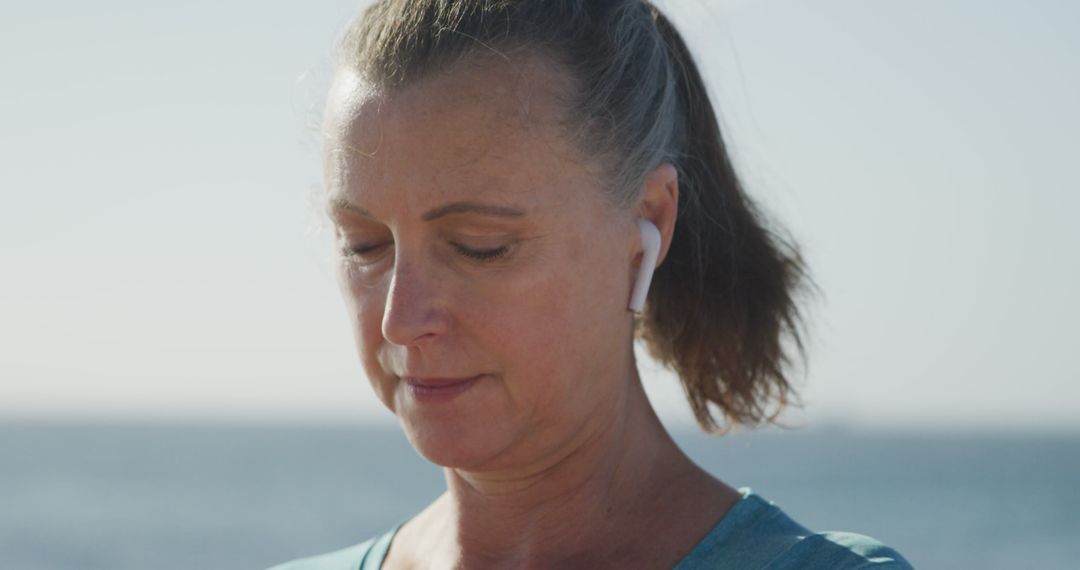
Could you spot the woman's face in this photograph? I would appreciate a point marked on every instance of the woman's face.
(485, 272)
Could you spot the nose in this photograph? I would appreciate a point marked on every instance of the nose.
(414, 312)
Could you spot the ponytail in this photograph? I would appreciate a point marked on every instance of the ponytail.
(725, 294)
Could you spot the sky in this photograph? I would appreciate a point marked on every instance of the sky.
(163, 253)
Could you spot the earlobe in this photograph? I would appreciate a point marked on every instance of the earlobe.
(650, 244)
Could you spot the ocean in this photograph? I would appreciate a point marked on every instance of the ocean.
(138, 496)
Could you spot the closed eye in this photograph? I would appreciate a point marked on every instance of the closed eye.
(483, 255)
(364, 253)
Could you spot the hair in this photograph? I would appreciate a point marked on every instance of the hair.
(723, 301)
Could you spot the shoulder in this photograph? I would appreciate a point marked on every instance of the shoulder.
(840, 550)
(345, 559)
(756, 533)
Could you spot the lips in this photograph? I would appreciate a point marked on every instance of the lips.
(432, 389)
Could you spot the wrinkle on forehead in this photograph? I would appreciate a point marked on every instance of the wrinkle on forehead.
(527, 93)
(487, 111)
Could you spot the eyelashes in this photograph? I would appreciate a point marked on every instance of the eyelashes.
(363, 254)
(482, 255)
(369, 254)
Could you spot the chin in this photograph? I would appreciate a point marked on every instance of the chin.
(464, 442)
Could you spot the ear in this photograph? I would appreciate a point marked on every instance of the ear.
(660, 204)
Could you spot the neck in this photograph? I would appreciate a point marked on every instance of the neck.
(572, 503)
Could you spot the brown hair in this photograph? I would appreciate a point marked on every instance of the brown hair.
(724, 298)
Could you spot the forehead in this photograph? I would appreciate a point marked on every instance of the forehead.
(485, 126)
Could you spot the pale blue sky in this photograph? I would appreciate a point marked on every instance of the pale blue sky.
(162, 256)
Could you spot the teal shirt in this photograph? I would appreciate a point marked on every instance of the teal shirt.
(753, 534)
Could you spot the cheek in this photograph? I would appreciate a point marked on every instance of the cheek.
(557, 324)
(365, 303)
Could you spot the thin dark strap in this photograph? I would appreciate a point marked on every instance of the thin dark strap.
(374, 556)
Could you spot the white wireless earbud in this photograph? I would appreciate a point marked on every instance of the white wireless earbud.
(650, 242)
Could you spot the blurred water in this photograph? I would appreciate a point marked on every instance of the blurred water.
(132, 496)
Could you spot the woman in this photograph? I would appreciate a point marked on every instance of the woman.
(498, 173)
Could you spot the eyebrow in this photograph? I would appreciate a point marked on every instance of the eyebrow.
(340, 203)
(465, 207)
(473, 208)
